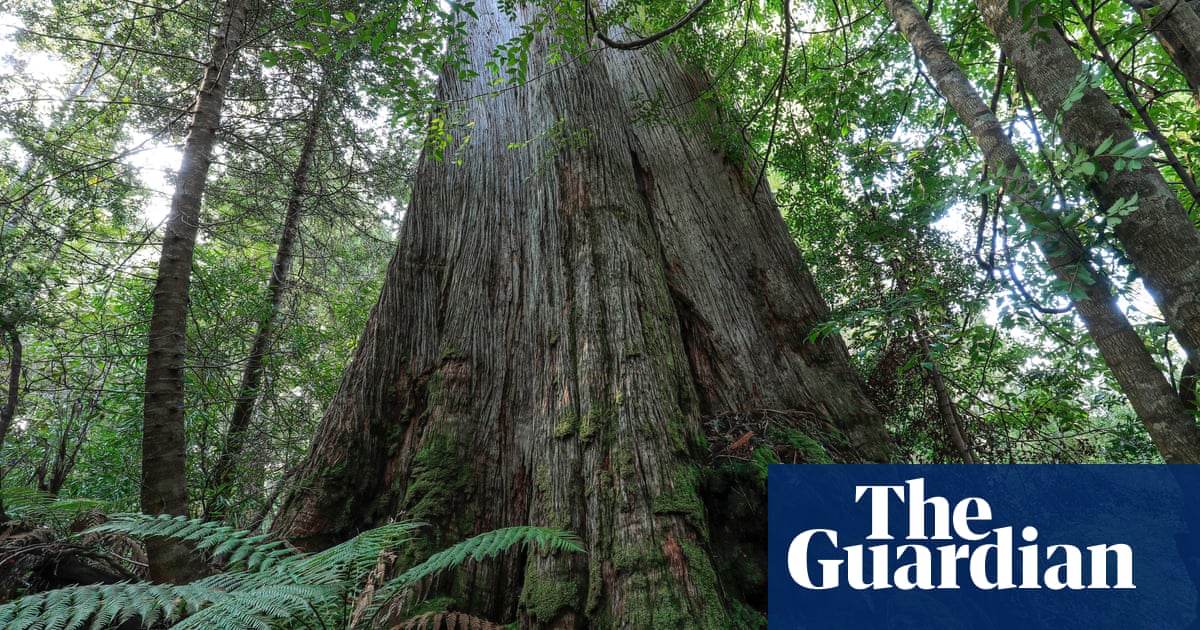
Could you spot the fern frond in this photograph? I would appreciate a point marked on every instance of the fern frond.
(483, 546)
(448, 621)
(245, 549)
(268, 606)
(44, 508)
(100, 606)
(273, 586)
(489, 544)
(353, 559)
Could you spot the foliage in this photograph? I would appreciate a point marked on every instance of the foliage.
(265, 583)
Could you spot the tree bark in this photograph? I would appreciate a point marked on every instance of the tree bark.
(1169, 424)
(573, 290)
(1158, 235)
(13, 394)
(1176, 25)
(164, 480)
(277, 285)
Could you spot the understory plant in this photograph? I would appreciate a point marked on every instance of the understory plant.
(266, 583)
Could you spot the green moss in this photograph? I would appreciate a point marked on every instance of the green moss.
(567, 425)
(440, 480)
(760, 458)
(744, 618)
(682, 496)
(598, 417)
(545, 597)
(704, 579)
(625, 465)
(628, 559)
(558, 517)
(677, 433)
(449, 352)
(810, 450)
(595, 587)
(652, 605)
(735, 494)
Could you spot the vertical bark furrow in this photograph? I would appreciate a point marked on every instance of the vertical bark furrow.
(556, 271)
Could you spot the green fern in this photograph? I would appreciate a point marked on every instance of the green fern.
(481, 547)
(267, 584)
(31, 504)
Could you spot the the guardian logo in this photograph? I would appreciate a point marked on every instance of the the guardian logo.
(948, 546)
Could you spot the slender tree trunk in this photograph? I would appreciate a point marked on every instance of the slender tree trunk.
(1176, 25)
(947, 411)
(164, 482)
(555, 324)
(9, 411)
(277, 285)
(1158, 235)
(1169, 424)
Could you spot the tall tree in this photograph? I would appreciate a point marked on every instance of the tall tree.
(1150, 222)
(164, 479)
(580, 281)
(1171, 426)
(277, 284)
(1176, 25)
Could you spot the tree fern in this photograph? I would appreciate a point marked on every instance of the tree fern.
(267, 584)
(44, 508)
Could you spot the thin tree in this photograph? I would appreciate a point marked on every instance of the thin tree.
(164, 479)
(277, 285)
(581, 281)
(1155, 230)
(1176, 25)
(8, 412)
(1169, 424)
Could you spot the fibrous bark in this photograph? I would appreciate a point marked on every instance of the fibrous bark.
(1169, 424)
(1158, 235)
(574, 289)
(164, 482)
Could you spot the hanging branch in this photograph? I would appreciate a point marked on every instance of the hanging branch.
(780, 83)
(645, 41)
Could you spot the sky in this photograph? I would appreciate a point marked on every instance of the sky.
(154, 163)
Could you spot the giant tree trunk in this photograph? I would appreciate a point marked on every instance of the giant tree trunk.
(164, 480)
(557, 320)
(1159, 236)
(1169, 424)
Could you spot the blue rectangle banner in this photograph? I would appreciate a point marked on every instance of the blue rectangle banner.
(989, 547)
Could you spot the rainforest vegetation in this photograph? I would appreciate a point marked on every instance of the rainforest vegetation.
(344, 313)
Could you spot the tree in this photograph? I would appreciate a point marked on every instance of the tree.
(277, 284)
(587, 273)
(1172, 427)
(164, 472)
(1153, 227)
(1176, 25)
